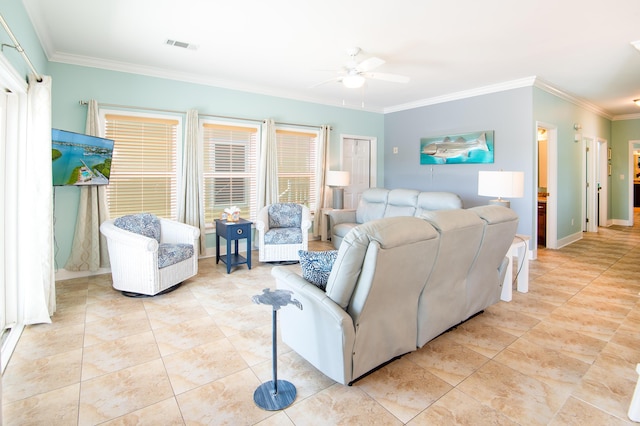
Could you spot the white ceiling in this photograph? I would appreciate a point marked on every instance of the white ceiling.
(448, 48)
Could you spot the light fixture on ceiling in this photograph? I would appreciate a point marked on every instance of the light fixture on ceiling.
(353, 81)
(636, 44)
(636, 101)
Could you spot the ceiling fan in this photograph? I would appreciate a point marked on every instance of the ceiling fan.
(354, 73)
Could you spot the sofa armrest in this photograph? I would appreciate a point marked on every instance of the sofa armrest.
(337, 217)
(322, 332)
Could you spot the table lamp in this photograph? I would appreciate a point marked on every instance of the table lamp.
(501, 184)
(337, 180)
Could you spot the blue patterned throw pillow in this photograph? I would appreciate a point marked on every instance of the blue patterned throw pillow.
(316, 266)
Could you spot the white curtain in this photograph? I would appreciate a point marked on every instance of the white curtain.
(89, 248)
(268, 169)
(191, 204)
(34, 243)
(322, 195)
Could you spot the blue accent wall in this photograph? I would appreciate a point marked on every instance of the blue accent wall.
(508, 114)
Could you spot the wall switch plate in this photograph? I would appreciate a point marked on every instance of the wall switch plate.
(395, 149)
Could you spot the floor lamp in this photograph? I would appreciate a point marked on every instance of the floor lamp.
(501, 184)
(337, 180)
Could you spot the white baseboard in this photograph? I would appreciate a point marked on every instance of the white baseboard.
(569, 239)
(621, 222)
(63, 274)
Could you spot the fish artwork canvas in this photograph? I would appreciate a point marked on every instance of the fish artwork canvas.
(476, 147)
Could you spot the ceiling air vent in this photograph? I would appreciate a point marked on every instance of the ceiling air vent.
(181, 44)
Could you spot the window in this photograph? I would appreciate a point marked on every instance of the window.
(144, 168)
(230, 158)
(297, 167)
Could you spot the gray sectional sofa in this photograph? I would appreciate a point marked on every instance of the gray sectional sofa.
(396, 284)
(377, 203)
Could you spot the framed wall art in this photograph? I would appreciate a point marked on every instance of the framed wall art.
(475, 147)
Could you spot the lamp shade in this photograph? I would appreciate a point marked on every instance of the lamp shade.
(337, 178)
(501, 184)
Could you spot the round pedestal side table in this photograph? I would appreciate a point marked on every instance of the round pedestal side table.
(275, 394)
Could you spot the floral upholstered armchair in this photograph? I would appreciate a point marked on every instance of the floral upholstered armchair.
(150, 255)
(283, 229)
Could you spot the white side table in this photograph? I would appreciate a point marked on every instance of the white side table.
(324, 224)
(518, 249)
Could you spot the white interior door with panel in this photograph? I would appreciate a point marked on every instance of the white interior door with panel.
(358, 158)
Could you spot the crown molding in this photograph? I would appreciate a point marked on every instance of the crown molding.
(124, 67)
(484, 90)
(543, 85)
(626, 117)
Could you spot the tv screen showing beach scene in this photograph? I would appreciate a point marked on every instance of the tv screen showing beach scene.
(80, 159)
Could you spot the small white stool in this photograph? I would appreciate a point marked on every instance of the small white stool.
(518, 249)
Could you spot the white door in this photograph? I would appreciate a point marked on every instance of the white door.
(356, 159)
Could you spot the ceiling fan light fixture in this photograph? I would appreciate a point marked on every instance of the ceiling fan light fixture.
(353, 81)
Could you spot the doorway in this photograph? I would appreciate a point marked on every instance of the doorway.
(546, 221)
(589, 222)
(634, 182)
(358, 157)
(603, 173)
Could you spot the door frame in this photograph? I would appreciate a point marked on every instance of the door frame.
(632, 147)
(552, 185)
(603, 178)
(589, 191)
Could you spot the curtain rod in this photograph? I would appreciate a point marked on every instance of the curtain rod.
(19, 48)
(202, 115)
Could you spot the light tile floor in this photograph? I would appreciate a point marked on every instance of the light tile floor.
(563, 354)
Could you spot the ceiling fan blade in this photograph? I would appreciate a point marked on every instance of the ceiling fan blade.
(395, 78)
(369, 64)
(329, 80)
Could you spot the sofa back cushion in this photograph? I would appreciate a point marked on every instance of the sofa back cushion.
(443, 302)
(372, 205)
(429, 201)
(401, 202)
(485, 280)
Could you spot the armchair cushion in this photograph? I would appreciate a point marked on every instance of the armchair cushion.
(146, 224)
(316, 266)
(285, 215)
(283, 236)
(170, 254)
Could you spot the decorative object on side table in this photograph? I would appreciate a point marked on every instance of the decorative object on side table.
(231, 214)
(275, 394)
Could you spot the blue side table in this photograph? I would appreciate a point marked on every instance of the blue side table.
(233, 231)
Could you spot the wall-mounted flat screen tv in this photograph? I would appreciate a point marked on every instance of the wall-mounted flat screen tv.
(80, 159)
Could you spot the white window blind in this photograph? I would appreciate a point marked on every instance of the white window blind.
(297, 167)
(144, 166)
(230, 158)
